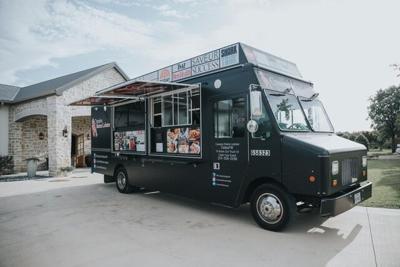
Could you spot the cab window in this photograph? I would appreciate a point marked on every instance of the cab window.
(259, 114)
(230, 118)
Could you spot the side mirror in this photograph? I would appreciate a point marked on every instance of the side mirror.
(255, 103)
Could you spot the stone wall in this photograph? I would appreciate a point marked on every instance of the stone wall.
(3, 130)
(32, 146)
(17, 114)
(14, 140)
(59, 116)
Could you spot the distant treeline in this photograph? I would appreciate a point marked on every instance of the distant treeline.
(370, 139)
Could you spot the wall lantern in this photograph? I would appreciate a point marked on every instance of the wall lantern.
(41, 136)
(65, 132)
(88, 136)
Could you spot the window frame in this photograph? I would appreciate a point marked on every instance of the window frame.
(189, 124)
(189, 111)
(264, 107)
(231, 124)
(125, 129)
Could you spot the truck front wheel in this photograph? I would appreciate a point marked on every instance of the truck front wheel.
(272, 208)
(122, 182)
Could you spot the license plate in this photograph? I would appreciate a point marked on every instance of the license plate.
(357, 198)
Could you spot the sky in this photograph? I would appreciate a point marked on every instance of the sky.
(344, 47)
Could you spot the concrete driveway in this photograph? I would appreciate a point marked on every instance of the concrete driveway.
(79, 221)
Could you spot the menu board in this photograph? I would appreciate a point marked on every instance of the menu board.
(130, 141)
(100, 128)
(183, 140)
(214, 60)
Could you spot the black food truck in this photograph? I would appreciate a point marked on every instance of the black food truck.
(231, 126)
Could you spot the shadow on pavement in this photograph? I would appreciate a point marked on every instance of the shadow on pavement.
(307, 242)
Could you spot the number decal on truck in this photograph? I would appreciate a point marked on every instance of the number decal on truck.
(260, 153)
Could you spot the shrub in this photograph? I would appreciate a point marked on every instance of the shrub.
(6, 165)
(88, 160)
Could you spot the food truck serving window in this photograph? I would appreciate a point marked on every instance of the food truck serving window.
(175, 123)
(129, 127)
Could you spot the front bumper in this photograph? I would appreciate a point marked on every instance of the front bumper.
(336, 205)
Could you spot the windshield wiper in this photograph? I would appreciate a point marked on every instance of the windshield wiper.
(311, 98)
(285, 92)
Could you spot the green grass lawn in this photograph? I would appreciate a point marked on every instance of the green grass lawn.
(377, 152)
(385, 176)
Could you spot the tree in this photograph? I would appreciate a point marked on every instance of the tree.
(384, 110)
(396, 68)
(362, 139)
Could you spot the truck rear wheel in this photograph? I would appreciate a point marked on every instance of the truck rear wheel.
(122, 182)
(272, 208)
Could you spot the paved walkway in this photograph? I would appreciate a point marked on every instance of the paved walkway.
(79, 221)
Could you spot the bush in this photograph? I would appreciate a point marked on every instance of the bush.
(88, 160)
(6, 165)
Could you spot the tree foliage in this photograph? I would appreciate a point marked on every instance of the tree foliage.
(384, 111)
(362, 139)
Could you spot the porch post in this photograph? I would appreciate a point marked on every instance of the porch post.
(59, 118)
(15, 141)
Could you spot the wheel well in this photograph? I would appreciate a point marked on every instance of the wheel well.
(256, 183)
(118, 167)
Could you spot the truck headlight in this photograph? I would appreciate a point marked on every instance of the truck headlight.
(364, 161)
(335, 167)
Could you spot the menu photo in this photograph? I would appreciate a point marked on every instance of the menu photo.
(130, 141)
(183, 140)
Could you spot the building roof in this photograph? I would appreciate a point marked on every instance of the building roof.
(14, 94)
(8, 92)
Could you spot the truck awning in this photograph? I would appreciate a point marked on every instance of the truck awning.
(130, 90)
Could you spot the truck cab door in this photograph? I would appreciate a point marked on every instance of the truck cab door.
(229, 147)
(264, 143)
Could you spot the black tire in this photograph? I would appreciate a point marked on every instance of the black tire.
(272, 207)
(109, 179)
(122, 181)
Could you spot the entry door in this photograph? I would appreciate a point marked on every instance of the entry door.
(229, 147)
(80, 155)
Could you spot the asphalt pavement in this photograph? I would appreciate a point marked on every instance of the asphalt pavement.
(79, 221)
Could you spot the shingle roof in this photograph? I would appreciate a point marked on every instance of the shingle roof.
(8, 92)
(54, 86)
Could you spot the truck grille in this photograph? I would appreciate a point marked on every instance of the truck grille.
(349, 170)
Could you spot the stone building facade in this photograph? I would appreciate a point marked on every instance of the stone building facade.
(44, 126)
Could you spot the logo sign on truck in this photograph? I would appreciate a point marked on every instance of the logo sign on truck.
(229, 56)
(165, 75)
(182, 70)
(214, 60)
(205, 63)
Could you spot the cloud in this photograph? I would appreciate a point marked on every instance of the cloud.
(345, 47)
(167, 11)
(34, 35)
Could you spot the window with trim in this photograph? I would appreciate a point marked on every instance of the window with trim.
(230, 118)
(176, 109)
(129, 128)
(130, 115)
(175, 123)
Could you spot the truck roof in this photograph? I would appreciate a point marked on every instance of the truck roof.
(221, 59)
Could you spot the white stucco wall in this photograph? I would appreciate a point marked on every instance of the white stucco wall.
(3, 130)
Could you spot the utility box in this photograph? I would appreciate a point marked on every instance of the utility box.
(32, 166)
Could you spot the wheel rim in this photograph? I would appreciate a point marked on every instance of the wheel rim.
(269, 208)
(121, 180)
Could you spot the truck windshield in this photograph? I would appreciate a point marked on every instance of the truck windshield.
(316, 115)
(287, 111)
